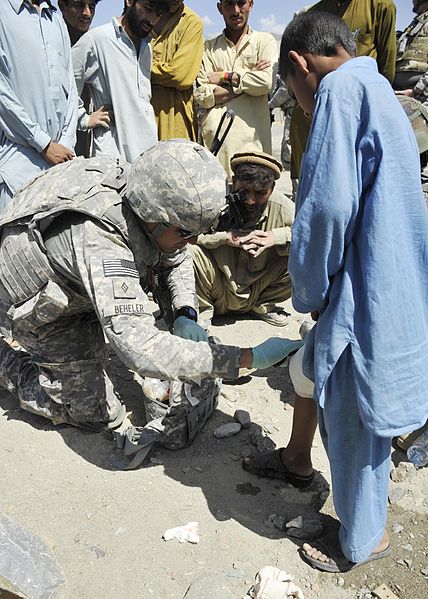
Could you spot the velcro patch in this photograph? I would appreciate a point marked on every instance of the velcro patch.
(124, 288)
(120, 268)
(118, 309)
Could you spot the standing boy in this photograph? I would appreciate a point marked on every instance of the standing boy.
(367, 358)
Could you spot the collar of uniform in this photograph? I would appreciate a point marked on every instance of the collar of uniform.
(244, 39)
(16, 5)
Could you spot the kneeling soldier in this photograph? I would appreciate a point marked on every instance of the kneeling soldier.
(79, 248)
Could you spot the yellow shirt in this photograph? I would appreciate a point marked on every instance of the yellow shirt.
(373, 25)
(251, 127)
(177, 56)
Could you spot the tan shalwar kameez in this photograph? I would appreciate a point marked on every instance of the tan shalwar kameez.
(251, 128)
(229, 279)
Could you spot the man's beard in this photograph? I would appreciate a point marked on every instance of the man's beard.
(134, 23)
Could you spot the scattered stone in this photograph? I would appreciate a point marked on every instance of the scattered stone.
(404, 471)
(409, 562)
(411, 535)
(296, 523)
(266, 444)
(186, 469)
(279, 522)
(341, 581)
(227, 430)
(323, 496)
(98, 551)
(312, 528)
(396, 494)
(424, 571)
(407, 547)
(247, 452)
(157, 460)
(198, 469)
(269, 524)
(384, 592)
(243, 417)
(400, 562)
(255, 436)
(234, 457)
(397, 528)
(272, 517)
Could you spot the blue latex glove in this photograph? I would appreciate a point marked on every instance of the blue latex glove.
(189, 329)
(274, 351)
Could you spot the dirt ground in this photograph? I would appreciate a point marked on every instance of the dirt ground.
(104, 527)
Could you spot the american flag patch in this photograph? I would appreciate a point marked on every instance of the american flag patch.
(120, 268)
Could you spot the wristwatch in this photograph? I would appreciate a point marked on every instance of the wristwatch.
(188, 312)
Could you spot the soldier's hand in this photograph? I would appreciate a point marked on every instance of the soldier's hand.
(189, 329)
(257, 241)
(101, 118)
(274, 351)
(57, 153)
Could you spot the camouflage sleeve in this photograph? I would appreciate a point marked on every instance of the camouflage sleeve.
(105, 265)
(180, 279)
(420, 91)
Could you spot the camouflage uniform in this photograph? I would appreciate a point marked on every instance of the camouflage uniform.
(75, 265)
(412, 53)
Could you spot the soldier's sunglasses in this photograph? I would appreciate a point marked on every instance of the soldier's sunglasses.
(185, 234)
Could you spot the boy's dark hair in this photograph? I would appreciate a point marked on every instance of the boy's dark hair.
(261, 177)
(316, 32)
(159, 6)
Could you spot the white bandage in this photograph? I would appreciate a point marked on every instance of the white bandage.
(302, 385)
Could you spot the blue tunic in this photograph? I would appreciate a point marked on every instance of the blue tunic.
(359, 251)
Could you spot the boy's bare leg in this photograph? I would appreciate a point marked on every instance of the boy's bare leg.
(296, 456)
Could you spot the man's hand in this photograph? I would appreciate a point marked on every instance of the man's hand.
(233, 238)
(405, 92)
(262, 65)
(256, 242)
(57, 153)
(101, 118)
(216, 77)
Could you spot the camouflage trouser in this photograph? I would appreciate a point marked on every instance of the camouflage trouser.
(61, 374)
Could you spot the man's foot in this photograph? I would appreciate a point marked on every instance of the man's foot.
(277, 317)
(326, 554)
(271, 464)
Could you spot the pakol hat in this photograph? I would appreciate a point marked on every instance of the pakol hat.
(259, 158)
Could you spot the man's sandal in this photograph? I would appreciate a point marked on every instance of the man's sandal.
(268, 464)
(329, 545)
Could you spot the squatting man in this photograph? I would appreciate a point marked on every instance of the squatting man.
(90, 235)
(246, 270)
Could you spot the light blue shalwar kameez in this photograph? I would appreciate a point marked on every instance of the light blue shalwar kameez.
(359, 256)
(38, 95)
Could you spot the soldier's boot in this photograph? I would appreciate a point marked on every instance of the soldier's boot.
(20, 377)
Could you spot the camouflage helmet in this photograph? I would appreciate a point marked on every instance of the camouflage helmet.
(417, 114)
(177, 182)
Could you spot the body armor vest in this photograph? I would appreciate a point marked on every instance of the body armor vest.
(93, 187)
(412, 46)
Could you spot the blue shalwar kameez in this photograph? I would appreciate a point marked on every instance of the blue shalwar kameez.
(359, 256)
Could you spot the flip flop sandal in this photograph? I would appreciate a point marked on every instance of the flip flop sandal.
(330, 546)
(269, 465)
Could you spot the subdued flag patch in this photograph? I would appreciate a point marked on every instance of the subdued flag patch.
(120, 268)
